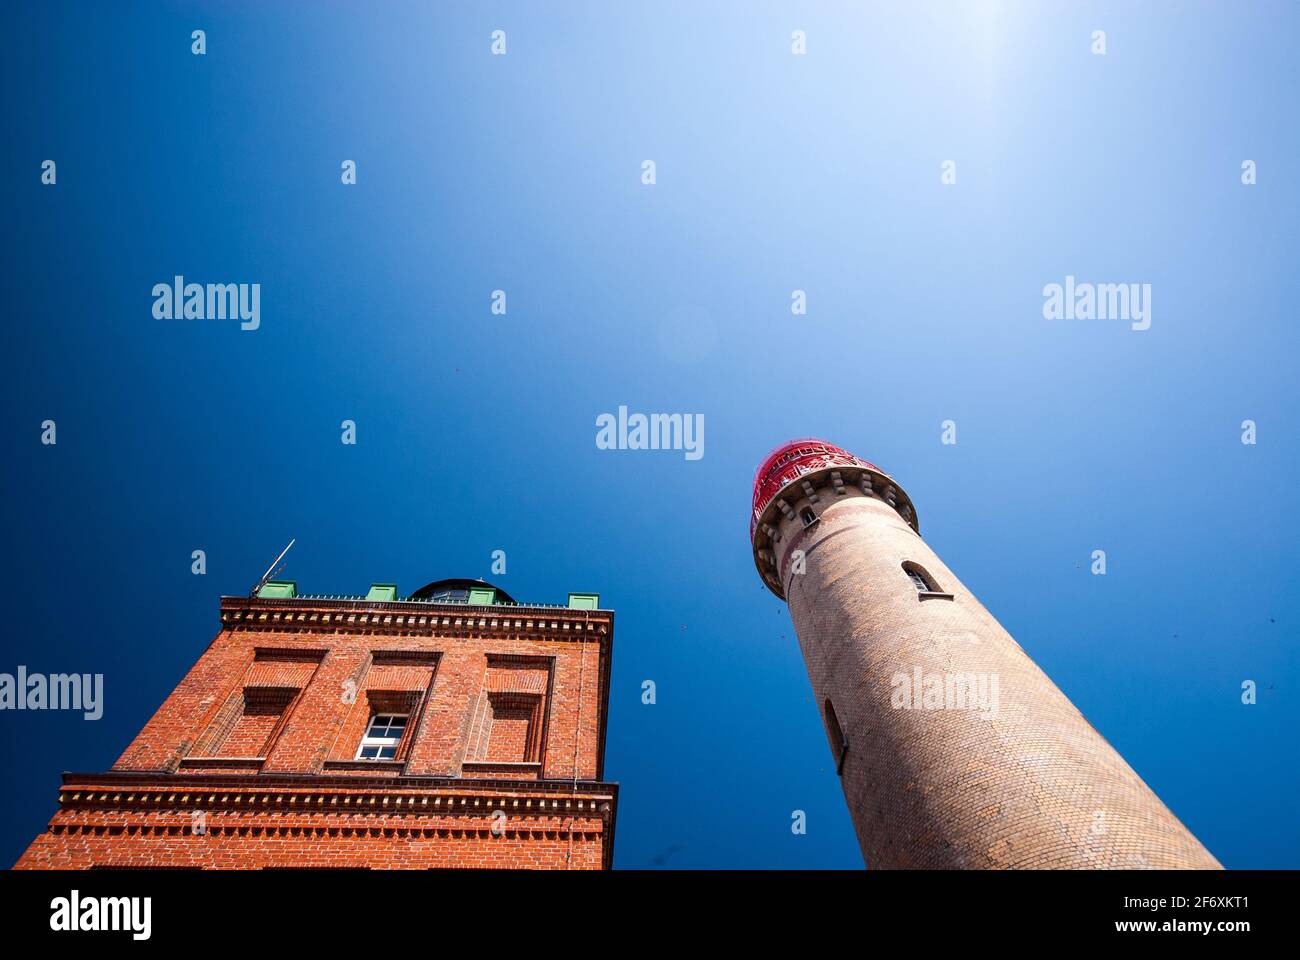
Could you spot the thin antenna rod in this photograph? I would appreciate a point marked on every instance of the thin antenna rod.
(272, 569)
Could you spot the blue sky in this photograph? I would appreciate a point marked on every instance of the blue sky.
(476, 432)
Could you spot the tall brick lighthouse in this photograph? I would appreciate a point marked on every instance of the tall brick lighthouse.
(954, 749)
(451, 728)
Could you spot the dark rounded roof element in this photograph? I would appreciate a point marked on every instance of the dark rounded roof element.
(430, 590)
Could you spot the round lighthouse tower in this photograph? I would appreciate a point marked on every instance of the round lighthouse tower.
(953, 748)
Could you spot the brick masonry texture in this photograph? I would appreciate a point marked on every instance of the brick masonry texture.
(1029, 785)
(251, 761)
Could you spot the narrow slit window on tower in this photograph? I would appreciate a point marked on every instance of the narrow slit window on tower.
(382, 737)
(839, 746)
(809, 518)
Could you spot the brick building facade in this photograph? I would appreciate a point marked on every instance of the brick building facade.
(454, 728)
(953, 748)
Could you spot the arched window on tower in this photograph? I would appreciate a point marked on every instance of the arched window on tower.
(839, 746)
(927, 588)
(808, 517)
(921, 578)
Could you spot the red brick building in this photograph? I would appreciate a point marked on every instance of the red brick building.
(454, 728)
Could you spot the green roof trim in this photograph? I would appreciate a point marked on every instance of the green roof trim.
(483, 596)
(278, 590)
(478, 596)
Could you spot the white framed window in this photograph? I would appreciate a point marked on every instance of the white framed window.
(382, 737)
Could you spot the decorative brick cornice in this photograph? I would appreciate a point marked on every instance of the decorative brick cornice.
(313, 783)
(413, 618)
(165, 804)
